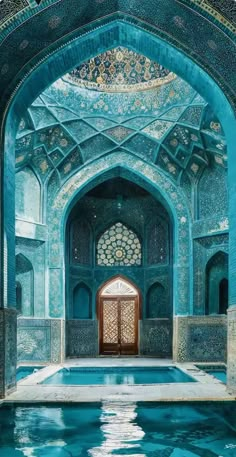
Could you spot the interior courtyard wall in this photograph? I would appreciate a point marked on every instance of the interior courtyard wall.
(55, 182)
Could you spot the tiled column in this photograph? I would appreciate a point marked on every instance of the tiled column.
(231, 365)
(8, 354)
(231, 362)
(8, 313)
(180, 338)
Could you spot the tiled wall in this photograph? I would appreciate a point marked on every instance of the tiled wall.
(82, 338)
(7, 350)
(200, 339)
(40, 340)
(156, 337)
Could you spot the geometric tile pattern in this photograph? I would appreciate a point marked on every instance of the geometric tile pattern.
(157, 129)
(119, 69)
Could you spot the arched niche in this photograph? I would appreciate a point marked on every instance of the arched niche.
(157, 302)
(27, 195)
(25, 282)
(155, 182)
(217, 284)
(223, 296)
(19, 297)
(82, 305)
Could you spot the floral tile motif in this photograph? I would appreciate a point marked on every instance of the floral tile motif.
(157, 129)
(119, 133)
(9, 8)
(119, 69)
(192, 115)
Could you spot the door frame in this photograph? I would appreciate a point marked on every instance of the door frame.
(100, 299)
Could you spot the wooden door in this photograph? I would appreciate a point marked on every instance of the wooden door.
(119, 326)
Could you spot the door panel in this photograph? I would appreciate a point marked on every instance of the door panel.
(110, 329)
(119, 326)
(128, 331)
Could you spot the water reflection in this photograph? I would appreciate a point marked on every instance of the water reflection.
(120, 431)
(114, 378)
(39, 420)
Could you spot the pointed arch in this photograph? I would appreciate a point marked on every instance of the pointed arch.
(28, 195)
(134, 34)
(216, 290)
(157, 304)
(25, 279)
(19, 297)
(82, 302)
(155, 182)
(119, 286)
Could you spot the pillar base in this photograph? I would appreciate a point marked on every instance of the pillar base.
(231, 363)
(8, 352)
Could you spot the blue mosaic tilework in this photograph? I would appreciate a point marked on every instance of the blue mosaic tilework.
(201, 339)
(82, 338)
(156, 338)
(39, 340)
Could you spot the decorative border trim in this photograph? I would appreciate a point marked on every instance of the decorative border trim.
(11, 23)
(116, 88)
(211, 13)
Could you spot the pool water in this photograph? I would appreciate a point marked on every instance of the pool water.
(23, 371)
(119, 429)
(109, 375)
(218, 371)
(219, 374)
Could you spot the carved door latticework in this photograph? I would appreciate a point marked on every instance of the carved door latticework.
(119, 326)
(110, 322)
(118, 304)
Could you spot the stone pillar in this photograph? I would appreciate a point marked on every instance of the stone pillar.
(231, 363)
(180, 339)
(8, 355)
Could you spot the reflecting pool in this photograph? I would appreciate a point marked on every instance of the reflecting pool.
(119, 429)
(23, 371)
(218, 371)
(117, 375)
(219, 374)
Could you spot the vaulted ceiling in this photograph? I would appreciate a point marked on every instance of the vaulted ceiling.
(99, 107)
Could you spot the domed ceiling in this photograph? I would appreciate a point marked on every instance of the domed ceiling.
(76, 120)
(119, 69)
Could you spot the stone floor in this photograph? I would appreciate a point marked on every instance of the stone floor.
(207, 387)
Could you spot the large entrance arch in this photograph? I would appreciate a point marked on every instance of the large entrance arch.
(117, 242)
(165, 54)
(118, 314)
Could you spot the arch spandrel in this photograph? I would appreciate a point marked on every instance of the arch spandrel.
(183, 31)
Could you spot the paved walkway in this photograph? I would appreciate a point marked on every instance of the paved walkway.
(207, 387)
